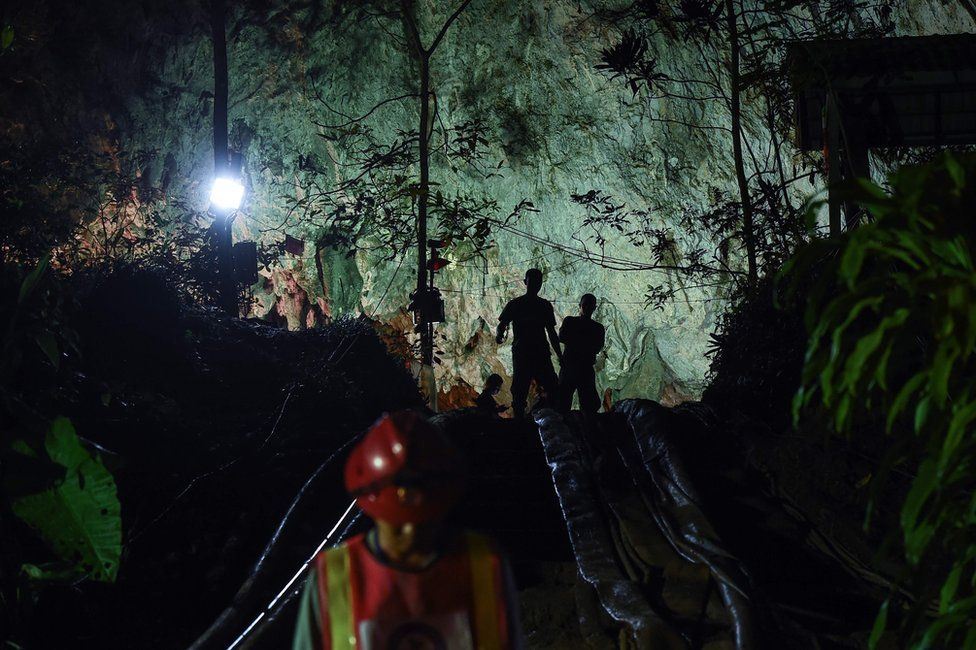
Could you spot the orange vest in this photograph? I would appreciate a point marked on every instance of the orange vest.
(457, 603)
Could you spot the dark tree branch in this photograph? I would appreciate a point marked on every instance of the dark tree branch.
(354, 120)
(447, 25)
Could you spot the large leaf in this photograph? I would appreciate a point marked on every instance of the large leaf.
(79, 518)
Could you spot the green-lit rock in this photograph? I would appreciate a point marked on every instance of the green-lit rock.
(554, 125)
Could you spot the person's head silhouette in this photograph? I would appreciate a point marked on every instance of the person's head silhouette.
(493, 384)
(533, 282)
(587, 304)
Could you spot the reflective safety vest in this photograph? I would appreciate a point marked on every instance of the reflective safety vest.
(457, 603)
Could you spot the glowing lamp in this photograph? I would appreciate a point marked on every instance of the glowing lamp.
(227, 193)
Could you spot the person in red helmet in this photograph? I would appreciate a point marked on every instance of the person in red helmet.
(411, 582)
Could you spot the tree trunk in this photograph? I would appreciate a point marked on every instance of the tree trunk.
(425, 329)
(748, 232)
(424, 185)
(220, 87)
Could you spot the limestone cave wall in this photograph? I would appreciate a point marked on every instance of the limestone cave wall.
(553, 126)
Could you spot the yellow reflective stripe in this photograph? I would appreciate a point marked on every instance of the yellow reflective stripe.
(341, 622)
(484, 592)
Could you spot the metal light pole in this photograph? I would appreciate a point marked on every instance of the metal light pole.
(428, 308)
(226, 197)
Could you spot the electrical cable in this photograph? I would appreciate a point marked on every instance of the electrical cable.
(510, 265)
(613, 263)
(294, 578)
(369, 316)
(511, 282)
(604, 260)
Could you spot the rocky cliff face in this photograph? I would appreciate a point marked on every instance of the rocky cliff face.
(524, 70)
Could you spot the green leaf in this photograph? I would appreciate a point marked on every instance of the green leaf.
(956, 173)
(842, 413)
(917, 535)
(49, 346)
(79, 518)
(878, 629)
(936, 629)
(50, 572)
(901, 399)
(961, 419)
(917, 540)
(970, 642)
(949, 588)
(881, 369)
(6, 37)
(856, 363)
(33, 278)
(945, 357)
(922, 410)
(837, 340)
(851, 262)
(799, 401)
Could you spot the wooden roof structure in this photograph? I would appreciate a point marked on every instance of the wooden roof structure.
(909, 91)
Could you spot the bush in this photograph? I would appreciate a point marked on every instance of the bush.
(893, 338)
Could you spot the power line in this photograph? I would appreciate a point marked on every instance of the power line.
(604, 260)
(511, 282)
(476, 293)
(510, 265)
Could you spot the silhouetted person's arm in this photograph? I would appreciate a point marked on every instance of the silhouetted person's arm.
(503, 322)
(500, 332)
(554, 339)
(550, 319)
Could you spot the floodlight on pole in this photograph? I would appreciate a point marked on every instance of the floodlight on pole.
(227, 193)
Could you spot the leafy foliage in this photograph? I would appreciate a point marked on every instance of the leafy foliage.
(895, 340)
(79, 517)
(691, 260)
(371, 192)
(50, 481)
(374, 206)
(763, 224)
(628, 59)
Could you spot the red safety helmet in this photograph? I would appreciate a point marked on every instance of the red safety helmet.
(404, 470)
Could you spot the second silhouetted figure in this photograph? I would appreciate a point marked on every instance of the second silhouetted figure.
(583, 338)
(532, 319)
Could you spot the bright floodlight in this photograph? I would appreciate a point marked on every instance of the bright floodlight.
(227, 193)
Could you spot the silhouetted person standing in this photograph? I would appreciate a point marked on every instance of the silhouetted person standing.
(532, 319)
(583, 338)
